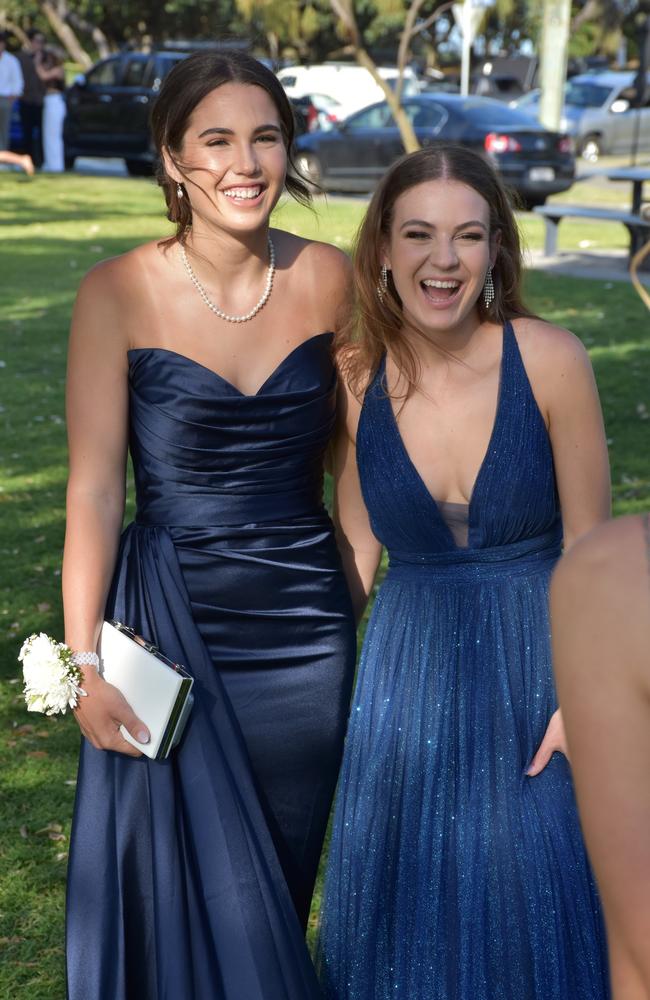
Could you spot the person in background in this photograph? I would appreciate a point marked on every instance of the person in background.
(17, 160)
(31, 101)
(600, 613)
(49, 67)
(11, 87)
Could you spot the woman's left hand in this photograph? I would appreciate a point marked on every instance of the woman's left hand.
(554, 739)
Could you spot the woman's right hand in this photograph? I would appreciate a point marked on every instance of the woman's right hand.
(101, 714)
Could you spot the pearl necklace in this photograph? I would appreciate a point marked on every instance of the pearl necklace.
(215, 309)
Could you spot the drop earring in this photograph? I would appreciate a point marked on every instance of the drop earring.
(488, 289)
(382, 284)
(179, 191)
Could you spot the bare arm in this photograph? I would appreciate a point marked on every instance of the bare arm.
(577, 438)
(96, 404)
(569, 398)
(360, 550)
(600, 608)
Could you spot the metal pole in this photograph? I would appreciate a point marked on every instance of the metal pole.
(467, 48)
(554, 51)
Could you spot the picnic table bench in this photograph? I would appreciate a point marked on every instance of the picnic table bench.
(637, 226)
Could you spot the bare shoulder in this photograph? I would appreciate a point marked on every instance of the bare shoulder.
(115, 280)
(549, 348)
(314, 259)
(609, 562)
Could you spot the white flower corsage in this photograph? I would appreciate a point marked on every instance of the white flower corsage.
(52, 678)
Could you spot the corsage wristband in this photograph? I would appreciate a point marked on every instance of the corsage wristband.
(86, 658)
(52, 678)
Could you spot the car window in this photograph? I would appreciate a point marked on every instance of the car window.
(138, 73)
(492, 114)
(288, 81)
(378, 116)
(586, 95)
(106, 74)
(428, 115)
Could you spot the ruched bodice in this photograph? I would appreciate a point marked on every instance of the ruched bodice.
(451, 874)
(208, 860)
(205, 453)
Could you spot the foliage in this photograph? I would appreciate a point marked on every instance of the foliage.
(54, 229)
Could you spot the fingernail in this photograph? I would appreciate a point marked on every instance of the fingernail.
(143, 736)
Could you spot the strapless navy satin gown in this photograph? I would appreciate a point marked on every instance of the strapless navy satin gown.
(185, 875)
(452, 875)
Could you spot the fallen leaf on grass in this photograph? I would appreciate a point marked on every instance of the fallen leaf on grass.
(24, 729)
(61, 856)
(38, 754)
(41, 538)
(51, 828)
(43, 606)
(23, 832)
(56, 836)
(11, 940)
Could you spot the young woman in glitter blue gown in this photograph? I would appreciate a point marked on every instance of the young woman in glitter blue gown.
(472, 449)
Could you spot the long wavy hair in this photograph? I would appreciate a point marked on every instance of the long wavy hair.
(377, 322)
(183, 88)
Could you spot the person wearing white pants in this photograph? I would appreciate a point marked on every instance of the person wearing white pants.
(50, 69)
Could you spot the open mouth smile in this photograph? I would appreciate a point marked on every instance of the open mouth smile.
(441, 292)
(244, 194)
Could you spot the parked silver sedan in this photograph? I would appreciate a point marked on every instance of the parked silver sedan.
(599, 114)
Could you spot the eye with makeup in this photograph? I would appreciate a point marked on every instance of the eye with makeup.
(473, 237)
(416, 234)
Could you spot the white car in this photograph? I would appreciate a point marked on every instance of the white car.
(351, 86)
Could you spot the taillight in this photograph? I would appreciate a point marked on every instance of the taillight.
(565, 144)
(312, 118)
(496, 143)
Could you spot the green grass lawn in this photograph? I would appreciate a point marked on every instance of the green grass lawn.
(53, 230)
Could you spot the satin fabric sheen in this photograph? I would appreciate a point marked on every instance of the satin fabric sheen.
(451, 874)
(190, 879)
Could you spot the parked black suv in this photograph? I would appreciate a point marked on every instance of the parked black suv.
(109, 107)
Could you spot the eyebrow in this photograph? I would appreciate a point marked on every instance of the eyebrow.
(429, 225)
(228, 131)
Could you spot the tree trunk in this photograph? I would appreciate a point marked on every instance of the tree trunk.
(64, 32)
(345, 11)
(102, 44)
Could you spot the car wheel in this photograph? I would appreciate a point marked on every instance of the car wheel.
(68, 161)
(310, 168)
(591, 148)
(139, 168)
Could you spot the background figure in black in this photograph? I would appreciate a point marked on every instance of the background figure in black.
(31, 103)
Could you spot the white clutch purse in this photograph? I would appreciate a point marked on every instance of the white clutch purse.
(158, 691)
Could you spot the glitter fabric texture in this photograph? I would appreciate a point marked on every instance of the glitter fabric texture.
(451, 874)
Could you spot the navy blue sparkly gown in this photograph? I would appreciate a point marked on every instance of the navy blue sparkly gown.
(452, 875)
(190, 879)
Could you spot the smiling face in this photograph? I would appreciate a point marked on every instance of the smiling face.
(439, 251)
(233, 160)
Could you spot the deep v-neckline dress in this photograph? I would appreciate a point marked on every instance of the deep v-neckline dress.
(451, 874)
(190, 879)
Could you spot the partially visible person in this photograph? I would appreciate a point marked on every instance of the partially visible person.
(31, 101)
(49, 67)
(600, 611)
(11, 87)
(17, 160)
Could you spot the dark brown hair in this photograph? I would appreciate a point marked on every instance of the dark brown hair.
(377, 322)
(183, 88)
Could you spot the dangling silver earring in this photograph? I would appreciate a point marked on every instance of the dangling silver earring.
(382, 285)
(179, 192)
(488, 289)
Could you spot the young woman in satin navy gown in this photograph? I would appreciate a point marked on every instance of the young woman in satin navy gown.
(472, 444)
(208, 355)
